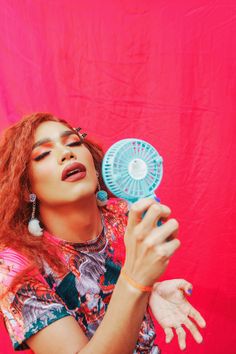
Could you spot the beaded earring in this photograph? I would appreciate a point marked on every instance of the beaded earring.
(34, 227)
(101, 195)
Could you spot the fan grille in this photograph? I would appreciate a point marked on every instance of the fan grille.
(117, 174)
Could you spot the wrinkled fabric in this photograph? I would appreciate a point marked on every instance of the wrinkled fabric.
(162, 71)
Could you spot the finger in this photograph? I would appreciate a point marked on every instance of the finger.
(169, 334)
(137, 209)
(193, 313)
(188, 289)
(154, 213)
(194, 331)
(185, 286)
(181, 334)
(168, 249)
(162, 233)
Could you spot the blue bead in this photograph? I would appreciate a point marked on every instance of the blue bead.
(102, 195)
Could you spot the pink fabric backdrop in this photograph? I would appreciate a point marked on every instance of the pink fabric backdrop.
(163, 71)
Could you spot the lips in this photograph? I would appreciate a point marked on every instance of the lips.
(73, 172)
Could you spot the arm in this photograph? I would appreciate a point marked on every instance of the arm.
(147, 255)
(117, 333)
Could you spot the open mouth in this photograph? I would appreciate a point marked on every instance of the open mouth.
(73, 172)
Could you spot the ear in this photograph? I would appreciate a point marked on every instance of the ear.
(26, 195)
(26, 190)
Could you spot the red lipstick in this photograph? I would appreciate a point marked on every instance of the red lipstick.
(73, 172)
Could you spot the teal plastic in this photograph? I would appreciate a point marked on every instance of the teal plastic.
(132, 169)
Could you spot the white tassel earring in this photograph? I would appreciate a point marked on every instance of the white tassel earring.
(33, 226)
(101, 195)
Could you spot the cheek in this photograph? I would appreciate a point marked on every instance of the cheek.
(87, 158)
(40, 175)
(91, 168)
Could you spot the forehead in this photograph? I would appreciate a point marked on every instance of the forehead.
(50, 130)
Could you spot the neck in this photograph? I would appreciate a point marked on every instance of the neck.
(77, 222)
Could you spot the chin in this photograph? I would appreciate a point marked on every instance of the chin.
(82, 195)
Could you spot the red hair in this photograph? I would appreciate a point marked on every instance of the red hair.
(16, 145)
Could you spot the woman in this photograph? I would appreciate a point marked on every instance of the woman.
(62, 250)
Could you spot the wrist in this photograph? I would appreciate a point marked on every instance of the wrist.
(134, 284)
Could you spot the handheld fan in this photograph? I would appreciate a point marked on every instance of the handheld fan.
(132, 169)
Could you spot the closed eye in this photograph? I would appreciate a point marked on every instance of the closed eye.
(75, 143)
(41, 156)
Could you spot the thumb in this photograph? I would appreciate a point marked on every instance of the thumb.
(185, 286)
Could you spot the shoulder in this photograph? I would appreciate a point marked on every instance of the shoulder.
(116, 217)
(11, 264)
(14, 265)
(28, 305)
(117, 206)
(116, 211)
(9, 255)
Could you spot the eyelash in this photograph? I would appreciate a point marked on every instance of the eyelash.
(75, 143)
(41, 156)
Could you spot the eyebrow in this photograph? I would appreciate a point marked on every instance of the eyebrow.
(48, 140)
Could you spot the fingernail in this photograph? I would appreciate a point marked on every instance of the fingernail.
(157, 199)
(190, 291)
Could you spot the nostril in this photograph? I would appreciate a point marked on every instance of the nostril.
(67, 155)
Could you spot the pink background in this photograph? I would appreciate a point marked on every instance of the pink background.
(163, 71)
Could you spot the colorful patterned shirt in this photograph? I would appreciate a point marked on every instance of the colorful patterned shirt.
(83, 292)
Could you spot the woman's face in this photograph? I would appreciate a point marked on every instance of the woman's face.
(61, 169)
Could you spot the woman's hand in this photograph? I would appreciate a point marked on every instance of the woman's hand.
(148, 246)
(172, 310)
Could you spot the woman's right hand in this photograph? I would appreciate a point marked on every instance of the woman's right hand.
(148, 248)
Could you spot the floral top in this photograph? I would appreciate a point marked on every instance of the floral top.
(83, 292)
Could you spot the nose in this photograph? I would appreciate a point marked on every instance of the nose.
(66, 155)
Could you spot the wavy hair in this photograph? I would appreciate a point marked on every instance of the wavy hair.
(16, 145)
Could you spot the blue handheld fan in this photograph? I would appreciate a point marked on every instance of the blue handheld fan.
(132, 169)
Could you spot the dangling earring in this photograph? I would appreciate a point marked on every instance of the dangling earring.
(33, 225)
(101, 195)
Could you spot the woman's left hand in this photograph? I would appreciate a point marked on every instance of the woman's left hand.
(172, 310)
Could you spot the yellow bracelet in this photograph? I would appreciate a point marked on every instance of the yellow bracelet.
(136, 285)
